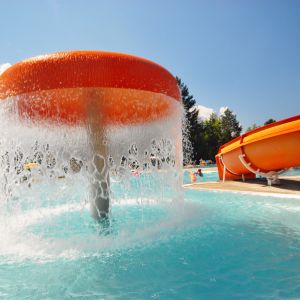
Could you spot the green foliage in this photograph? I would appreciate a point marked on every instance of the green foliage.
(269, 121)
(190, 122)
(202, 139)
(230, 127)
(252, 127)
(212, 136)
(198, 140)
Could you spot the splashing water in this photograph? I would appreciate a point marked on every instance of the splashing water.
(47, 169)
(153, 245)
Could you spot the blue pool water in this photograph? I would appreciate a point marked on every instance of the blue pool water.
(214, 246)
(292, 172)
(213, 175)
(207, 176)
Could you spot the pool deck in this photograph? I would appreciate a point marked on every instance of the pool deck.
(289, 185)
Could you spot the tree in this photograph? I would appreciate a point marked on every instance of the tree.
(252, 127)
(202, 139)
(269, 121)
(190, 122)
(212, 136)
(199, 148)
(230, 127)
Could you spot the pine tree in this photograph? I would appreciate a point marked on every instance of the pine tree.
(191, 124)
(230, 127)
(202, 139)
(212, 136)
(200, 149)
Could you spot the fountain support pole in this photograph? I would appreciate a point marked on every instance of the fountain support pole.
(99, 177)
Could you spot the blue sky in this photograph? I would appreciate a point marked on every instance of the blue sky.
(240, 54)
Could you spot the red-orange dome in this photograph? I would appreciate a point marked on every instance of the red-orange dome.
(123, 79)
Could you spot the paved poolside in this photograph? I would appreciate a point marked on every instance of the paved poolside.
(288, 185)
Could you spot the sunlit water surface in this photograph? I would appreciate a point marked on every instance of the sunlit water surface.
(154, 245)
(214, 246)
(212, 175)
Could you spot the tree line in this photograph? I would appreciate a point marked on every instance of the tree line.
(202, 138)
(253, 126)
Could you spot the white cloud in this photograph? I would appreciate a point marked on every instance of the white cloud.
(4, 67)
(222, 110)
(205, 112)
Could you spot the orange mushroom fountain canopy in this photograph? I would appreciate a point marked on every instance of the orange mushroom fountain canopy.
(129, 89)
(126, 110)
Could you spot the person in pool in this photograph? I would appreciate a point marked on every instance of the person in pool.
(199, 173)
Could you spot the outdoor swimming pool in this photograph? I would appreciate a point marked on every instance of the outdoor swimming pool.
(213, 175)
(212, 246)
(207, 176)
(159, 241)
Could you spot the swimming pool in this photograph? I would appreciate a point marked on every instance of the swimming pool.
(213, 175)
(214, 246)
(207, 176)
(292, 172)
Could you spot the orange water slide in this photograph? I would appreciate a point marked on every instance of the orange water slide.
(265, 151)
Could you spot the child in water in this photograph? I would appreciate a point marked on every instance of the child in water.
(199, 173)
(193, 175)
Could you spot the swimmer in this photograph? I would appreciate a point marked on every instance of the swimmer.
(199, 173)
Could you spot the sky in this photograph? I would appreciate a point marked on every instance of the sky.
(240, 54)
